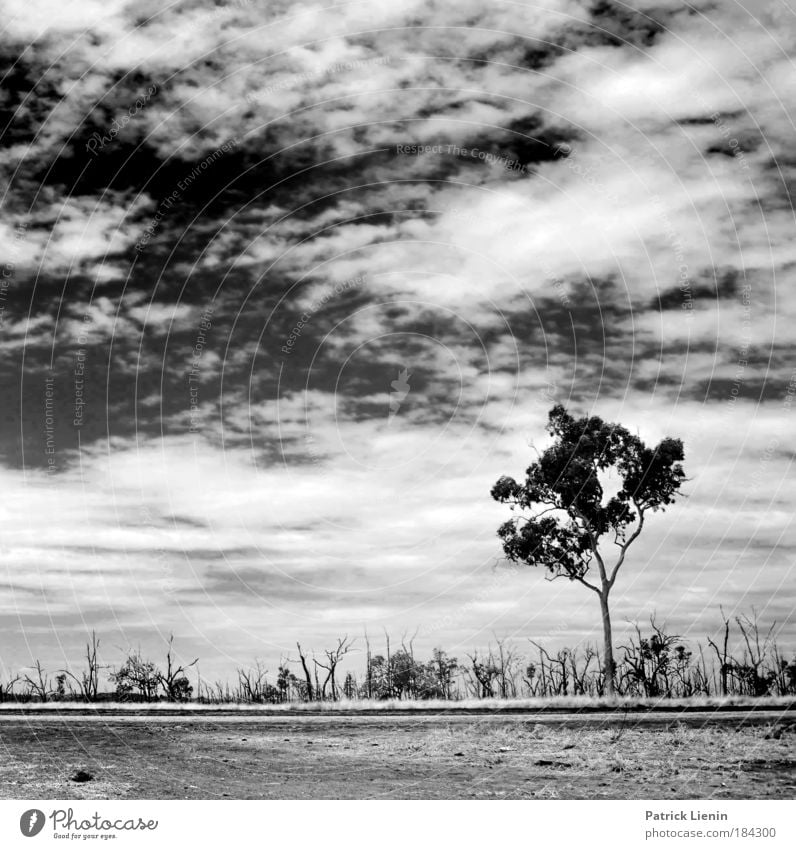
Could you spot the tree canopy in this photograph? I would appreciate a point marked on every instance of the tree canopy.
(564, 492)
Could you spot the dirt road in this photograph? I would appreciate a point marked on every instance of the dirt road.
(520, 756)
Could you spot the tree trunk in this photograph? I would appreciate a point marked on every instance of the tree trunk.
(608, 646)
(306, 674)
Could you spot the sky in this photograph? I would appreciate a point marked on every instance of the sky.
(288, 286)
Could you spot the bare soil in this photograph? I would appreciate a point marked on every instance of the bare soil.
(362, 758)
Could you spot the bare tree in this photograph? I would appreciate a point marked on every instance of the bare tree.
(649, 662)
(412, 667)
(310, 691)
(389, 663)
(7, 690)
(701, 680)
(88, 682)
(40, 685)
(333, 659)
(369, 670)
(484, 673)
(505, 664)
(580, 676)
(556, 674)
(755, 678)
(174, 681)
(722, 655)
(252, 683)
(219, 693)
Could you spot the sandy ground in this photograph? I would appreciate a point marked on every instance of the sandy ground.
(361, 758)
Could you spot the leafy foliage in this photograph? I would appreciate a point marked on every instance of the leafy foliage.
(563, 490)
(405, 677)
(136, 676)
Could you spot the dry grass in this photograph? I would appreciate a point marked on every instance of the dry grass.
(552, 702)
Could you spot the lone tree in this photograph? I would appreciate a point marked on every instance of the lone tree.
(569, 513)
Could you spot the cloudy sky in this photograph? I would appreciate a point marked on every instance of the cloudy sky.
(287, 286)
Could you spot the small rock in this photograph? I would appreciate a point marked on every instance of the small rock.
(458, 754)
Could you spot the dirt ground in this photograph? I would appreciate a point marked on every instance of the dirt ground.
(362, 759)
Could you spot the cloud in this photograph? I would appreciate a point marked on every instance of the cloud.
(71, 235)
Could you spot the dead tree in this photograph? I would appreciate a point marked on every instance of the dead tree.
(724, 665)
(507, 658)
(174, 681)
(7, 690)
(40, 686)
(752, 673)
(484, 674)
(220, 693)
(310, 691)
(542, 671)
(369, 673)
(88, 682)
(580, 677)
(333, 658)
(701, 680)
(252, 684)
(648, 663)
(557, 673)
(389, 663)
(410, 653)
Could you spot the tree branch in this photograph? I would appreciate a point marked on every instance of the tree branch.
(627, 545)
(535, 516)
(587, 584)
(593, 541)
